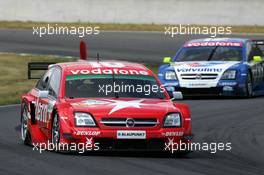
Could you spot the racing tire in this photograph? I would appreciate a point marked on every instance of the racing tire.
(25, 134)
(249, 87)
(55, 136)
(55, 132)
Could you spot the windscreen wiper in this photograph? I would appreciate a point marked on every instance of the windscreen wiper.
(212, 53)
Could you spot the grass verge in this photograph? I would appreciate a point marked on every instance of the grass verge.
(121, 27)
(13, 77)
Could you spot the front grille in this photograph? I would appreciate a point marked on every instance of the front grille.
(123, 122)
(199, 76)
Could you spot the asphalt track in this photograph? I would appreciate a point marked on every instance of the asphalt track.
(148, 47)
(239, 121)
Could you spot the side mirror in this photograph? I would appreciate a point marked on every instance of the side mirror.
(167, 60)
(43, 94)
(257, 58)
(177, 95)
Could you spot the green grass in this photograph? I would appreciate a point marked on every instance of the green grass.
(121, 27)
(153, 67)
(13, 77)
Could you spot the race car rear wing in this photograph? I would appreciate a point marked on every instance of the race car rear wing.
(38, 68)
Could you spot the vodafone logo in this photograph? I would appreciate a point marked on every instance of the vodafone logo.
(108, 68)
(109, 71)
(200, 44)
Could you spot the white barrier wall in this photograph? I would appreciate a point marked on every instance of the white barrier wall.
(229, 12)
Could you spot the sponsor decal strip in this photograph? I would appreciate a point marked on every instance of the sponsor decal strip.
(88, 133)
(199, 70)
(109, 71)
(210, 43)
(131, 134)
(103, 76)
(170, 134)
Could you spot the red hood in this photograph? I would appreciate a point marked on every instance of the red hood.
(123, 107)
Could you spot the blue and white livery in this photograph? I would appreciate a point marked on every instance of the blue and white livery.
(216, 66)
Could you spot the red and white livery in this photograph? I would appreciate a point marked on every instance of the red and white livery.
(69, 105)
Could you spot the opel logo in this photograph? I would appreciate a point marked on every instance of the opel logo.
(130, 122)
(198, 77)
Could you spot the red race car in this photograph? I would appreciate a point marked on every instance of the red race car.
(101, 105)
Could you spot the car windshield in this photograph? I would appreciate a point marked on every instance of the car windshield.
(83, 86)
(216, 53)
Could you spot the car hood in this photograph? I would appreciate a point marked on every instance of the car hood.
(123, 107)
(203, 66)
(201, 74)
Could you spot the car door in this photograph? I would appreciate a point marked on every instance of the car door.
(41, 106)
(53, 88)
(258, 51)
(257, 68)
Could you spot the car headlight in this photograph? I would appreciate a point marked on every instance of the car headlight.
(172, 120)
(84, 119)
(170, 75)
(229, 75)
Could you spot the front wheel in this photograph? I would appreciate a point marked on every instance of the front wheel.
(25, 134)
(55, 137)
(249, 86)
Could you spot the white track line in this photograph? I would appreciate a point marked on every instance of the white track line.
(6, 106)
